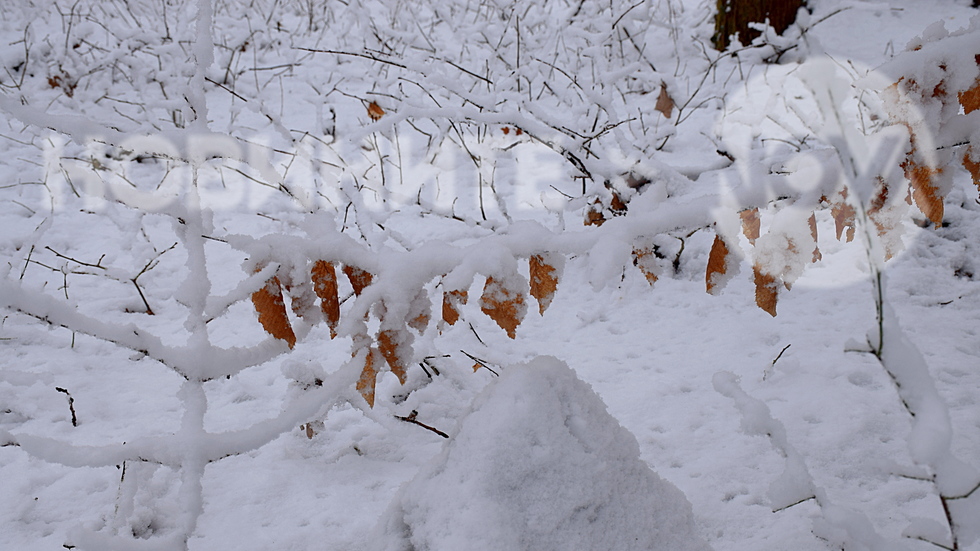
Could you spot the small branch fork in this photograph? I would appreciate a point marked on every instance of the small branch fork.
(105, 270)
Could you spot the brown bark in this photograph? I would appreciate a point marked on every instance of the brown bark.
(734, 17)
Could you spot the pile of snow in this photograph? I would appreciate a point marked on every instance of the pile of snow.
(539, 463)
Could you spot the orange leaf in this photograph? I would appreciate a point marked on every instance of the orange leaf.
(646, 261)
(925, 191)
(817, 255)
(359, 279)
(544, 281)
(766, 290)
(420, 312)
(419, 322)
(504, 306)
(664, 104)
(618, 205)
(970, 99)
(300, 295)
(397, 351)
(375, 111)
(451, 300)
(594, 216)
(366, 383)
(722, 266)
(325, 286)
(880, 197)
(881, 214)
(716, 263)
(750, 224)
(972, 167)
(272, 311)
(844, 216)
(302, 301)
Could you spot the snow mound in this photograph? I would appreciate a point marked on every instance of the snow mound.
(539, 464)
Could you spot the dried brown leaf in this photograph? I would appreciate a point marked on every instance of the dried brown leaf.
(880, 197)
(366, 383)
(618, 205)
(751, 225)
(594, 216)
(375, 111)
(717, 266)
(544, 281)
(420, 312)
(646, 261)
(504, 306)
(970, 99)
(844, 216)
(420, 322)
(397, 351)
(925, 191)
(817, 255)
(766, 290)
(301, 300)
(884, 218)
(324, 278)
(664, 104)
(451, 301)
(359, 279)
(272, 311)
(939, 90)
(972, 167)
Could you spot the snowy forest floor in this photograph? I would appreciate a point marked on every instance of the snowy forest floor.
(649, 352)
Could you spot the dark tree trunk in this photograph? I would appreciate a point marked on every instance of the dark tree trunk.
(734, 17)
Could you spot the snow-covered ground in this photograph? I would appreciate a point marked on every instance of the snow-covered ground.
(410, 209)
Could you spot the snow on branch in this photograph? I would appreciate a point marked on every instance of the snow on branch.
(208, 363)
(191, 145)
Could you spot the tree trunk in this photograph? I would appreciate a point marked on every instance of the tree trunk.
(734, 17)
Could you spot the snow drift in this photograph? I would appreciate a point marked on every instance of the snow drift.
(539, 464)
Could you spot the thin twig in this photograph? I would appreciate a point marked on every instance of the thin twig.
(71, 405)
(353, 54)
(412, 419)
(780, 355)
(27, 262)
(804, 500)
(98, 264)
(480, 362)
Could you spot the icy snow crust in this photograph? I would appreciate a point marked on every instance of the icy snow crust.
(539, 464)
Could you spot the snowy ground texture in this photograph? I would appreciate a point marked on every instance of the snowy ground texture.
(163, 160)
